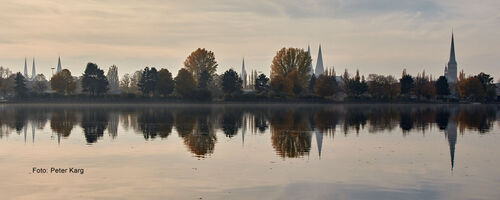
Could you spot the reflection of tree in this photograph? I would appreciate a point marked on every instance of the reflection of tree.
(62, 122)
(231, 122)
(260, 121)
(113, 124)
(326, 119)
(406, 120)
(290, 134)
(196, 128)
(355, 118)
(20, 119)
(154, 122)
(442, 117)
(477, 118)
(94, 122)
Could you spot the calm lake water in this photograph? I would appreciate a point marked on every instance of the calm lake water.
(250, 151)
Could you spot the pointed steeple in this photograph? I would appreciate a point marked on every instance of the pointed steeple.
(452, 51)
(25, 69)
(59, 67)
(33, 71)
(310, 65)
(319, 63)
(243, 73)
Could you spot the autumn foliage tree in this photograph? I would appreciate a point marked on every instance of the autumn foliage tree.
(291, 65)
(185, 84)
(325, 86)
(201, 60)
(63, 83)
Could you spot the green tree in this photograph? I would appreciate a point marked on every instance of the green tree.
(114, 82)
(312, 83)
(40, 84)
(184, 83)
(442, 87)
(406, 84)
(325, 85)
(20, 87)
(295, 61)
(166, 84)
(204, 79)
(63, 83)
(231, 82)
(149, 79)
(382, 87)
(261, 83)
(201, 60)
(94, 82)
(355, 86)
(488, 86)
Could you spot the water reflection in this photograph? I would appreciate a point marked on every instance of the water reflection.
(291, 128)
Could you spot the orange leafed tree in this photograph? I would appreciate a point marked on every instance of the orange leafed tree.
(292, 64)
(201, 60)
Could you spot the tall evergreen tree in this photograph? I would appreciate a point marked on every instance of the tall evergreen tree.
(442, 87)
(231, 82)
(406, 84)
(94, 82)
(204, 79)
(261, 83)
(149, 79)
(20, 87)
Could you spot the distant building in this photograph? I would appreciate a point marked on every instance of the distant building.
(450, 71)
(310, 65)
(33, 71)
(25, 69)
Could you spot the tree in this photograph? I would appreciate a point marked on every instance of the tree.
(63, 82)
(281, 84)
(149, 79)
(231, 82)
(261, 83)
(94, 82)
(424, 87)
(355, 86)
(165, 85)
(472, 89)
(114, 83)
(201, 60)
(125, 84)
(488, 85)
(134, 82)
(442, 87)
(382, 87)
(40, 84)
(6, 81)
(184, 83)
(294, 61)
(20, 87)
(204, 79)
(325, 85)
(312, 83)
(406, 84)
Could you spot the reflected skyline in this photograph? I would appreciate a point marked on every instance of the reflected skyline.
(291, 128)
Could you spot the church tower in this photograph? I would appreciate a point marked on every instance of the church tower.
(319, 63)
(451, 70)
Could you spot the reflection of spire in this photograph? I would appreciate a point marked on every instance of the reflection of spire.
(33, 133)
(58, 139)
(451, 134)
(319, 142)
(25, 132)
(243, 130)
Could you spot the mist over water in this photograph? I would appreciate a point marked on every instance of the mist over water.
(232, 151)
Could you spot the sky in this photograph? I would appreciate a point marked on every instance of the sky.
(383, 36)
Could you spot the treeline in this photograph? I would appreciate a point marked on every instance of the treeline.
(290, 79)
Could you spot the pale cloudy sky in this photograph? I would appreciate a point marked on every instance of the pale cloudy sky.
(382, 36)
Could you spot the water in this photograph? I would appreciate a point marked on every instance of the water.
(250, 152)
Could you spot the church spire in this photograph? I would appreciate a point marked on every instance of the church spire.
(33, 71)
(452, 51)
(243, 73)
(25, 69)
(319, 63)
(59, 65)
